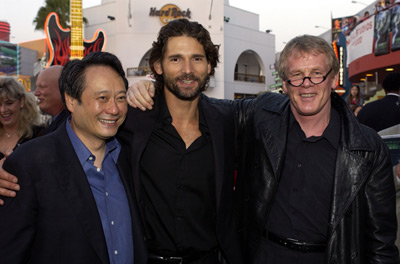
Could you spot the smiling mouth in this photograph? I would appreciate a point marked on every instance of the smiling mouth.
(187, 81)
(308, 95)
(108, 121)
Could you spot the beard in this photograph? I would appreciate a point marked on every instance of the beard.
(186, 94)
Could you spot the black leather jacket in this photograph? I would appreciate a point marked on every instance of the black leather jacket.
(362, 226)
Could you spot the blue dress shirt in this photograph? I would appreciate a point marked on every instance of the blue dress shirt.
(110, 196)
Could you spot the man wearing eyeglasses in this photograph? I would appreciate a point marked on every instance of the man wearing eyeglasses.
(318, 185)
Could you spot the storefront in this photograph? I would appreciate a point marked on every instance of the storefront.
(247, 55)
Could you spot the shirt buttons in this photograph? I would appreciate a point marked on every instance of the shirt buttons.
(116, 252)
(299, 165)
(112, 222)
(106, 193)
(90, 158)
(98, 169)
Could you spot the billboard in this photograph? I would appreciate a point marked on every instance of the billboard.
(360, 41)
(342, 25)
(395, 26)
(9, 58)
(382, 31)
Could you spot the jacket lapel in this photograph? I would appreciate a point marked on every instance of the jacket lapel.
(75, 186)
(273, 134)
(347, 183)
(349, 163)
(142, 124)
(218, 143)
(137, 224)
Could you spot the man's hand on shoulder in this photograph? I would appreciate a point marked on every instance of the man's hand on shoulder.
(8, 183)
(139, 95)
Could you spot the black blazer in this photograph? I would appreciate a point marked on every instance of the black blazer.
(136, 132)
(60, 120)
(54, 217)
(381, 114)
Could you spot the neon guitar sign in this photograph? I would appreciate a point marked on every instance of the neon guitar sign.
(68, 44)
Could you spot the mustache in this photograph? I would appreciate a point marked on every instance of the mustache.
(189, 76)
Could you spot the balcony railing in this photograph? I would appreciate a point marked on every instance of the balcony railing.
(244, 77)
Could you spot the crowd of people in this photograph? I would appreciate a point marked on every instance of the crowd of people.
(179, 177)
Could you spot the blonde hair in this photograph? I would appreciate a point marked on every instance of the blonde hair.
(29, 116)
(307, 44)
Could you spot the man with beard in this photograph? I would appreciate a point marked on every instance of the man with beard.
(183, 180)
(318, 186)
(182, 155)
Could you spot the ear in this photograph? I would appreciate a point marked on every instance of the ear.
(335, 81)
(158, 67)
(70, 102)
(284, 88)
(209, 67)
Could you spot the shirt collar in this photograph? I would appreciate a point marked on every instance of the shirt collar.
(164, 116)
(331, 132)
(166, 119)
(113, 147)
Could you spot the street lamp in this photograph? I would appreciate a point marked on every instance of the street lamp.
(357, 2)
(321, 27)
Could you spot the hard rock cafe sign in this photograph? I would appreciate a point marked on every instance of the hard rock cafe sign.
(169, 12)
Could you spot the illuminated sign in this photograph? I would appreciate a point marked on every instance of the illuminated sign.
(9, 58)
(169, 12)
(341, 67)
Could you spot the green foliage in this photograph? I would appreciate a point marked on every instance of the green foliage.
(61, 7)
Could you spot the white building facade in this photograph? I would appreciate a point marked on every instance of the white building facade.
(247, 56)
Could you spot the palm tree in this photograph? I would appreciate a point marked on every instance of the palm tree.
(61, 7)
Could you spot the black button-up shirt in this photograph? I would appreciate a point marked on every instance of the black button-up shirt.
(302, 204)
(179, 190)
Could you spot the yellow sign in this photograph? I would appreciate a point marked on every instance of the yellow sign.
(169, 12)
(26, 82)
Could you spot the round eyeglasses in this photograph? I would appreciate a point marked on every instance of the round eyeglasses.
(313, 79)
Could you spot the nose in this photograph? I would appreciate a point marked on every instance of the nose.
(112, 107)
(307, 82)
(2, 108)
(36, 93)
(187, 67)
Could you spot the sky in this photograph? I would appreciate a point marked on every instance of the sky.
(292, 18)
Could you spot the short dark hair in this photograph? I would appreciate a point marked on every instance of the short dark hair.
(178, 28)
(72, 79)
(391, 82)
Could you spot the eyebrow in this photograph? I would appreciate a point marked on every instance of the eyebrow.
(311, 70)
(192, 56)
(108, 91)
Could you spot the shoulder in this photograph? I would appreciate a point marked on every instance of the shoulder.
(40, 147)
(272, 101)
(220, 104)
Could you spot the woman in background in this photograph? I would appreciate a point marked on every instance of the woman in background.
(19, 115)
(354, 99)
